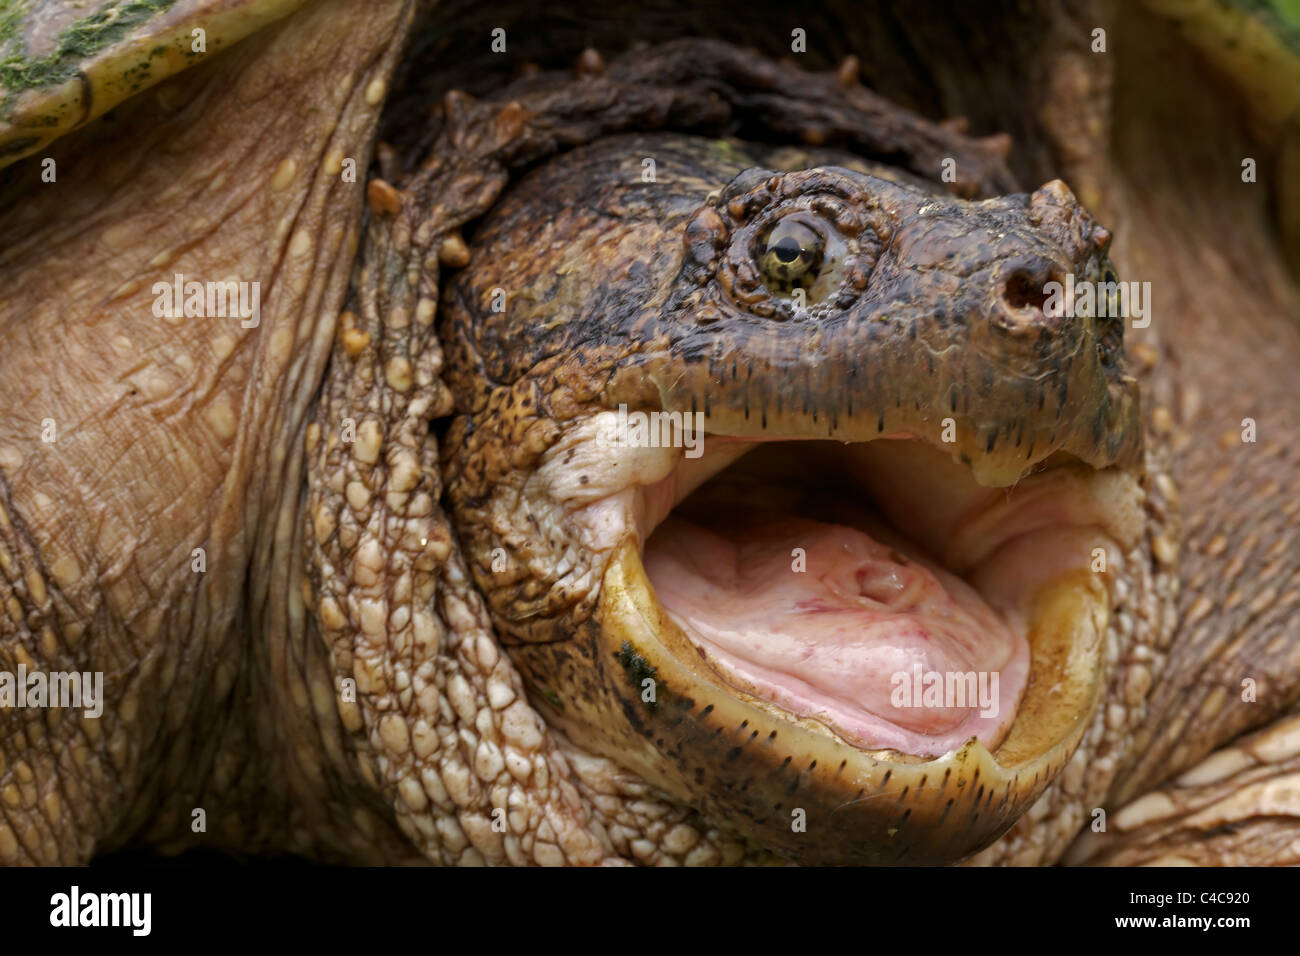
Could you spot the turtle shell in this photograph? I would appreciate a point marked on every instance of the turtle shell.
(62, 64)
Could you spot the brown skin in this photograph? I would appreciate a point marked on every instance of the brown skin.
(176, 436)
(281, 761)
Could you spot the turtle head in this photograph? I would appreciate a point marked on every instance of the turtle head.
(797, 493)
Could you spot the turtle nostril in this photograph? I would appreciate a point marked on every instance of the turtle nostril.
(1023, 291)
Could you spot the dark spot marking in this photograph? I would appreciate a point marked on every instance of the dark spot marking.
(638, 669)
(948, 806)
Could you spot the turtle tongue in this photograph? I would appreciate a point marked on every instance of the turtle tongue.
(846, 623)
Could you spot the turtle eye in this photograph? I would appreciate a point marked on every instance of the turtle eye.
(792, 255)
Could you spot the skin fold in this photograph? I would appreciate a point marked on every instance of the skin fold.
(350, 679)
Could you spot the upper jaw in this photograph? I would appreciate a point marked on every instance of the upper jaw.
(801, 387)
(939, 324)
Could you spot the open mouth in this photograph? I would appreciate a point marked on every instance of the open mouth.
(895, 637)
(792, 581)
(877, 589)
(898, 637)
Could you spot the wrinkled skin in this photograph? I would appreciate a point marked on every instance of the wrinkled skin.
(197, 451)
(223, 689)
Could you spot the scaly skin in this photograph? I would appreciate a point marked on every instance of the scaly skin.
(357, 567)
(225, 690)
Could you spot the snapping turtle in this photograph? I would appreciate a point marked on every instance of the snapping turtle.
(612, 487)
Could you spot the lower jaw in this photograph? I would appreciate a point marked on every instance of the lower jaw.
(790, 783)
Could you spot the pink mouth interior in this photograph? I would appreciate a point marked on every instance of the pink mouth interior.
(813, 602)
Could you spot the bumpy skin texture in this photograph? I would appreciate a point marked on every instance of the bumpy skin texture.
(443, 725)
(331, 558)
(364, 568)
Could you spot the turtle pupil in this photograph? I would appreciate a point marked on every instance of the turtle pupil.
(787, 249)
(792, 256)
